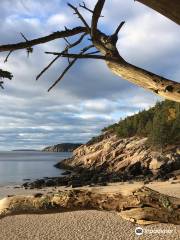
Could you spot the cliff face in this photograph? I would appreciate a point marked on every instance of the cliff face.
(126, 156)
(63, 147)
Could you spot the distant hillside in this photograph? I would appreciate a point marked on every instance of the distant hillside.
(62, 147)
(24, 150)
(160, 124)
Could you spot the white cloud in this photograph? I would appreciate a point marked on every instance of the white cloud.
(89, 97)
(58, 20)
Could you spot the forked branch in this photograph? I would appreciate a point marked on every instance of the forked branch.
(83, 5)
(80, 16)
(60, 54)
(106, 44)
(69, 66)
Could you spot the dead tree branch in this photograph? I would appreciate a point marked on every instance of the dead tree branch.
(106, 45)
(60, 54)
(29, 49)
(80, 16)
(69, 66)
(37, 41)
(119, 28)
(6, 59)
(83, 5)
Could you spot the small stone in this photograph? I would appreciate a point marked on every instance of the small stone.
(36, 195)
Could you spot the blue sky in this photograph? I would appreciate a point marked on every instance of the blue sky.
(90, 96)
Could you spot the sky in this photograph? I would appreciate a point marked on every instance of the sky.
(89, 97)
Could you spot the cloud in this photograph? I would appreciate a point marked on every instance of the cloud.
(89, 97)
(58, 19)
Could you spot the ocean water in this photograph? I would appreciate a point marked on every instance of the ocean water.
(18, 165)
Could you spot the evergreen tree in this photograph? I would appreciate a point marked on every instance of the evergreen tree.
(161, 124)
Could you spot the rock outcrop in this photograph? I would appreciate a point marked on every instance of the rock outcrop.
(127, 158)
(63, 147)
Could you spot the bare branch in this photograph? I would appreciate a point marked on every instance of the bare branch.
(69, 66)
(83, 5)
(71, 55)
(47, 67)
(24, 37)
(96, 15)
(67, 41)
(80, 16)
(114, 37)
(29, 49)
(65, 51)
(63, 73)
(37, 41)
(93, 52)
(77, 42)
(6, 59)
(119, 28)
(1, 84)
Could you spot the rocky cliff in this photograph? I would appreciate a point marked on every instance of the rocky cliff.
(63, 147)
(125, 158)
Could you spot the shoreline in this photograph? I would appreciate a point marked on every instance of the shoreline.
(170, 187)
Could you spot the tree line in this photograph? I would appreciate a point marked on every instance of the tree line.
(161, 124)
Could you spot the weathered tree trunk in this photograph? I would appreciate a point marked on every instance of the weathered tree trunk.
(143, 205)
(163, 87)
(168, 8)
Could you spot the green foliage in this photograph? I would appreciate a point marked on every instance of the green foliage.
(161, 124)
(4, 74)
(95, 140)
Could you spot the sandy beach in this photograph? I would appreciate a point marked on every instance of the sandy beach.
(84, 224)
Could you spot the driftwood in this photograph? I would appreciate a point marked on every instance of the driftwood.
(143, 205)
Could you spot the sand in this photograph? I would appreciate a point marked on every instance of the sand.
(87, 224)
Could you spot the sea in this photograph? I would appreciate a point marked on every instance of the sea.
(18, 166)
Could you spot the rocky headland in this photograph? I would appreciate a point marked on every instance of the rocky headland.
(125, 159)
(142, 147)
(62, 147)
(110, 159)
